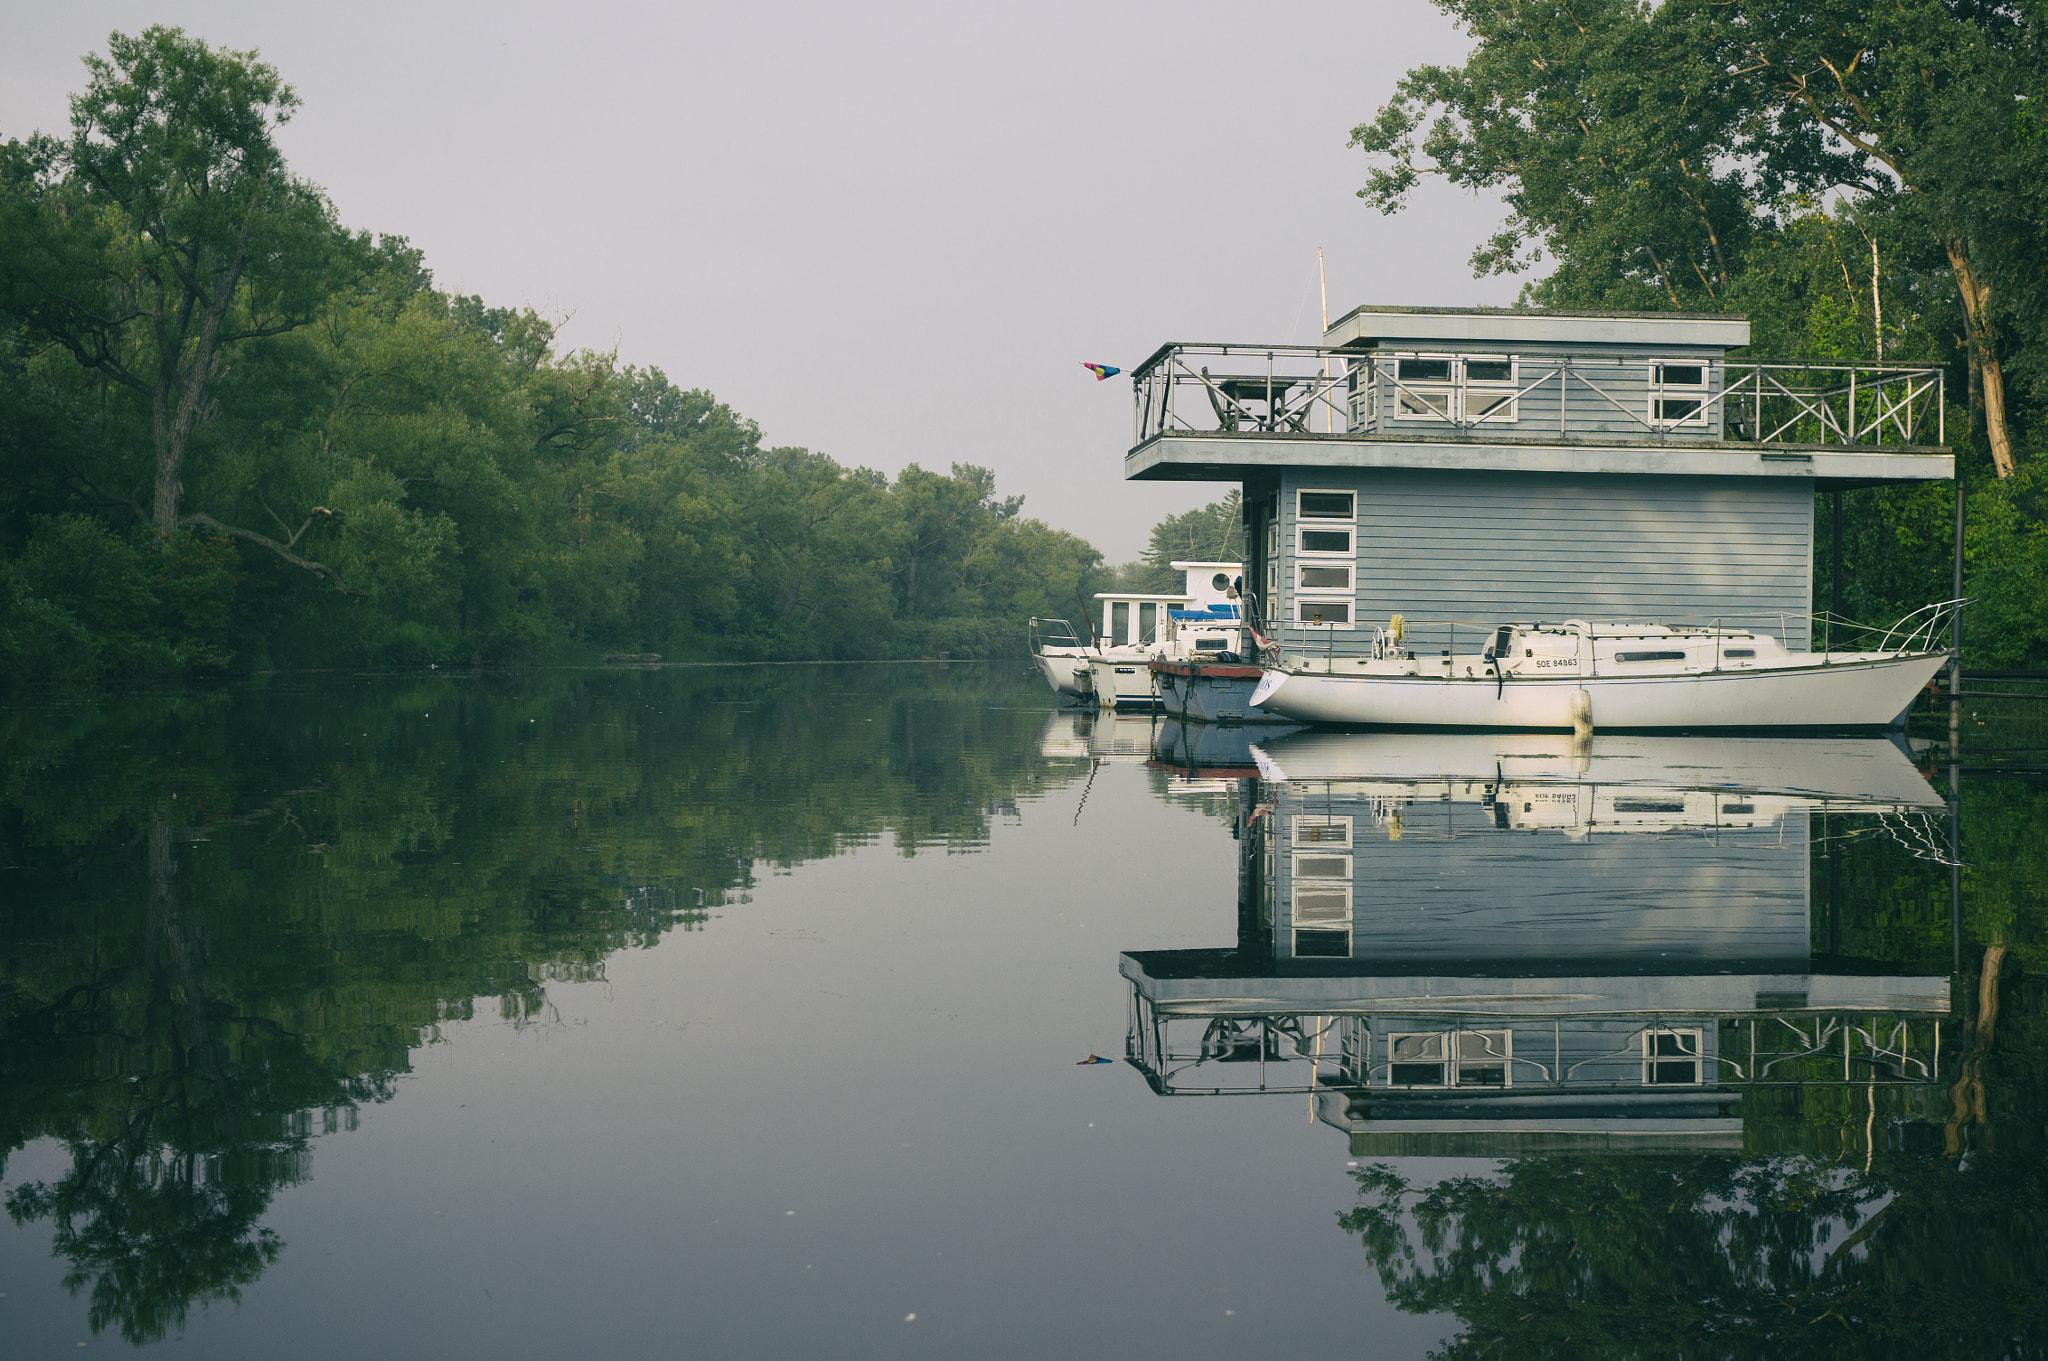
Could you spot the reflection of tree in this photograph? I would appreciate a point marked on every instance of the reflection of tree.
(1930, 1241)
(197, 972)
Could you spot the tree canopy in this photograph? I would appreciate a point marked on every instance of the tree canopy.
(234, 432)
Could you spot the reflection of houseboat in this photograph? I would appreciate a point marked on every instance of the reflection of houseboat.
(1104, 736)
(1542, 961)
(1199, 621)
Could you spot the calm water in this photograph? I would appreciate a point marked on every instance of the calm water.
(744, 1012)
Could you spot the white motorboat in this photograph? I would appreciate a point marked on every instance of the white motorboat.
(1113, 668)
(1616, 676)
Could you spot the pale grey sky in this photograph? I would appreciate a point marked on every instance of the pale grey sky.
(891, 232)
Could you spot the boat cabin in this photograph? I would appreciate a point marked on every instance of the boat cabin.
(1207, 603)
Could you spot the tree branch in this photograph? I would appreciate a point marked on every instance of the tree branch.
(319, 569)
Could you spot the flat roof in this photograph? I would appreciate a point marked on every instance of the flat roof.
(1366, 326)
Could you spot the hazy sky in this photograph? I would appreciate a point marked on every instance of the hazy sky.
(891, 232)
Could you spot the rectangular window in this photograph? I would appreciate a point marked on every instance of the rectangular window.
(1321, 944)
(1322, 832)
(1120, 621)
(1148, 622)
(1671, 1058)
(1319, 904)
(1424, 388)
(1326, 541)
(1322, 611)
(1678, 394)
(1273, 537)
(1321, 865)
(1460, 1058)
(1415, 1061)
(1325, 578)
(1489, 388)
(1327, 505)
(1484, 1057)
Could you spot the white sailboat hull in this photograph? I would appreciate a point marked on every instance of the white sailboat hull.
(1859, 691)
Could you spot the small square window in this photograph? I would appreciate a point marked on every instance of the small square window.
(1671, 1058)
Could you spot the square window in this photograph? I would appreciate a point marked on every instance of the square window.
(1327, 505)
(1671, 1058)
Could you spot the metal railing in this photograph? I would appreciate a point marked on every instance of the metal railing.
(1308, 390)
(1183, 1054)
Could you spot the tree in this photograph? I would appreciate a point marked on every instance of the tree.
(161, 233)
(1644, 146)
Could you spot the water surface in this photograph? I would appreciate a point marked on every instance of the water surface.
(741, 1012)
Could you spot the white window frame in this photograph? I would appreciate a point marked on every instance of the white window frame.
(1301, 518)
(1421, 389)
(1507, 412)
(1304, 822)
(1698, 1057)
(1346, 564)
(1341, 887)
(1449, 1049)
(1305, 605)
(1661, 391)
(1313, 854)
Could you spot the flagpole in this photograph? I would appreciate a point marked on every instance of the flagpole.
(1322, 281)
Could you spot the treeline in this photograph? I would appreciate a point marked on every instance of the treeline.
(1865, 180)
(234, 433)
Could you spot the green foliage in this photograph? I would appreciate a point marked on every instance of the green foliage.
(1211, 533)
(386, 473)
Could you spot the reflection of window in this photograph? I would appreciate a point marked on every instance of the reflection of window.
(1322, 865)
(1325, 578)
(1678, 394)
(1671, 1058)
(1322, 944)
(1459, 1058)
(1322, 904)
(1322, 832)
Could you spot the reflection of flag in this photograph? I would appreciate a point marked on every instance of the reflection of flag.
(1093, 1058)
(1102, 371)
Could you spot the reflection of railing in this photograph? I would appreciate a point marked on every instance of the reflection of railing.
(1301, 390)
(1292, 1052)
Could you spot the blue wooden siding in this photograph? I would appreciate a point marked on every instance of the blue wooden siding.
(1479, 549)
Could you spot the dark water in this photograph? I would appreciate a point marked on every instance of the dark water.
(739, 1013)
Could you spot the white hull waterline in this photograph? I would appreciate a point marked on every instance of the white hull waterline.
(1615, 676)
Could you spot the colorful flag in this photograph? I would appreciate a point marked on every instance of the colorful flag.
(1102, 371)
(1093, 1058)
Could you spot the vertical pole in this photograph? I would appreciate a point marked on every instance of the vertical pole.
(1955, 865)
(1834, 887)
(1955, 636)
(1834, 565)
